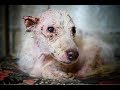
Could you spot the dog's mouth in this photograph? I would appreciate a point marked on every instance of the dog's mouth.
(52, 54)
(68, 62)
(64, 62)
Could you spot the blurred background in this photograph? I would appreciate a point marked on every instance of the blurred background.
(104, 20)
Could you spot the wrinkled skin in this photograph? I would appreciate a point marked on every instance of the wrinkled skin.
(43, 52)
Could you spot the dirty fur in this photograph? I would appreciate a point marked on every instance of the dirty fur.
(42, 54)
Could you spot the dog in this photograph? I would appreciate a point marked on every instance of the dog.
(53, 48)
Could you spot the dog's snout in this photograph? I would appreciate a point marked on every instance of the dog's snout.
(72, 54)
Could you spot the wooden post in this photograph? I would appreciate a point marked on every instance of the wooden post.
(6, 29)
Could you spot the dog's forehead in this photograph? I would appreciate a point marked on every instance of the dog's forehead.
(57, 17)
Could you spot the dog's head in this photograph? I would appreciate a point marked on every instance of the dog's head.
(59, 31)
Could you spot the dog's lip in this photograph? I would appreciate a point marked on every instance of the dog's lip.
(65, 62)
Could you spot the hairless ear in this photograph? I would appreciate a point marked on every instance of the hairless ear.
(30, 21)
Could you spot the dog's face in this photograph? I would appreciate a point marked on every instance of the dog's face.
(59, 31)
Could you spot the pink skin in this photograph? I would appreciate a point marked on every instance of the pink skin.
(63, 58)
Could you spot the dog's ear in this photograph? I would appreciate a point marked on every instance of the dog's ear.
(30, 22)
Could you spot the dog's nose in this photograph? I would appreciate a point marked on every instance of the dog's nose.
(72, 54)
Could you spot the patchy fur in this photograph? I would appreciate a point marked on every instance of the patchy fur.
(43, 53)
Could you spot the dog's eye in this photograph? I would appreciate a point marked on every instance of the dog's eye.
(51, 29)
(73, 30)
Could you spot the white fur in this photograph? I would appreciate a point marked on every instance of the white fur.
(35, 51)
